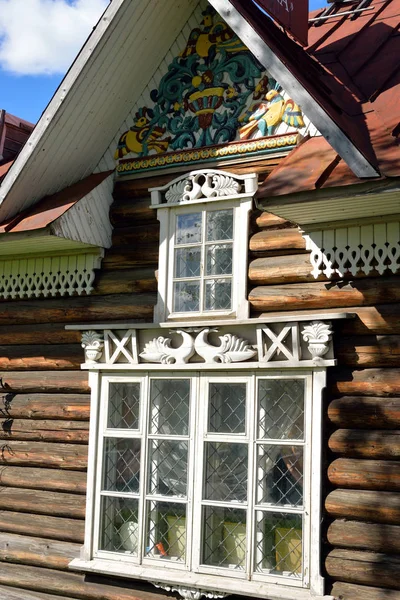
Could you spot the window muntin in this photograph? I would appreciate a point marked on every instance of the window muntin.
(203, 243)
(244, 517)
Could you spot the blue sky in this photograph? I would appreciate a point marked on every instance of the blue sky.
(38, 41)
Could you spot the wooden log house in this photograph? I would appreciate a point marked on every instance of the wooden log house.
(199, 315)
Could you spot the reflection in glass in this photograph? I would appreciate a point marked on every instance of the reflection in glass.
(169, 406)
(224, 537)
(121, 465)
(280, 475)
(219, 225)
(119, 529)
(187, 262)
(123, 407)
(279, 547)
(281, 409)
(219, 259)
(168, 468)
(188, 228)
(187, 296)
(227, 408)
(166, 531)
(218, 294)
(226, 471)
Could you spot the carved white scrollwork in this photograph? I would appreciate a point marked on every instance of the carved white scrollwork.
(189, 593)
(92, 343)
(231, 349)
(318, 336)
(203, 185)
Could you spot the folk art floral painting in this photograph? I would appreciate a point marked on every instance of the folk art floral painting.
(216, 100)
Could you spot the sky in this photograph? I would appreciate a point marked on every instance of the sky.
(39, 39)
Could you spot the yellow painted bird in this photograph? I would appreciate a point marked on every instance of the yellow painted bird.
(270, 113)
(141, 137)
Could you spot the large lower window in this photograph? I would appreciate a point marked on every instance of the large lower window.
(205, 478)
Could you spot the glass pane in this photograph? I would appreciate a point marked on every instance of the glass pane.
(119, 529)
(187, 296)
(280, 475)
(187, 262)
(281, 408)
(224, 537)
(123, 405)
(219, 225)
(218, 294)
(121, 465)
(279, 544)
(166, 531)
(169, 406)
(226, 471)
(168, 467)
(219, 259)
(188, 229)
(227, 408)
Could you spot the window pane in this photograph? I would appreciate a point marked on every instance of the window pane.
(121, 465)
(279, 544)
(280, 475)
(187, 296)
(281, 408)
(188, 229)
(219, 259)
(224, 537)
(219, 225)
(123, 406)
(168, 468)
(227, 408)
(169, 406)
(226, 471)
(119, 529)
(166, 531)
(187, 262)
(218, 294)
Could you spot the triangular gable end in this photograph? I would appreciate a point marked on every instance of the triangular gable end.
(210, 100)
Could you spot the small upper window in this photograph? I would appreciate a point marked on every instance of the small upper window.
(203, 245)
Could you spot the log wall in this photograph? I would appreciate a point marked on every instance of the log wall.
(45, 410)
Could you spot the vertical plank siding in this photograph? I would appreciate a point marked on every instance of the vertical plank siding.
(44, 403)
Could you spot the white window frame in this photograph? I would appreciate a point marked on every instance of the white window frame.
(191, 201)
(209, 578)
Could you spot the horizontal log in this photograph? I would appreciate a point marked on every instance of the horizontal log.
(74, 432)
(377, 537)
(294, 268)
(78, 309)
(51, 382)
(365, 568)
(43, 479)
(364, 382)
(58, 528)
(121, 257)
(77, 585)
(365, 505)
(272, 240)
(40, 333)
(55, 504)
(365, 474)
(266, 219)
(319, 295)
(350, 591)
(41, 357)
(127, 281)
(365, 413)
(28, 550)
(35, 454)
(44, 406)
(354, 443)
(369, 350)
(379, 320)
(8, 593)
(124, 210)
(136, 235)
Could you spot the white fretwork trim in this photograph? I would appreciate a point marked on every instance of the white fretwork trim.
(63, 275)
(188, 593)
(124, 347)
(355, 249)
(204, 185)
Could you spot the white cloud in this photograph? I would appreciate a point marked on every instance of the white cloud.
(42, 37)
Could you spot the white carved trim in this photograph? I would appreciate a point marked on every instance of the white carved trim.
(208, 184)
(188, 593)
(44, 276)
(318, 335)
(92, 343)
(116, 347)
(355, 249)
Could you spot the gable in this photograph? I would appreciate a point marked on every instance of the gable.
(210, 99)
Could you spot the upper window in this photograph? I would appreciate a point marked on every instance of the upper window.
(203, 245)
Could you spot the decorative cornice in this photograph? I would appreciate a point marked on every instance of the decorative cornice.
(187, 592)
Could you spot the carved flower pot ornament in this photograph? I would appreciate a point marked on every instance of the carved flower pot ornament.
(318, 335)
(92, 343)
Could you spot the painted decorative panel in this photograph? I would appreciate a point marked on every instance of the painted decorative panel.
(214, 101)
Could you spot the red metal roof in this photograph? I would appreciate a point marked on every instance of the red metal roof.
(352, 69)
(13, 134)
(50, 208)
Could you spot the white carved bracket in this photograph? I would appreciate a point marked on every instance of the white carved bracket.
(207, 184)
(188, 593)
(117, 348)
(92, 343)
